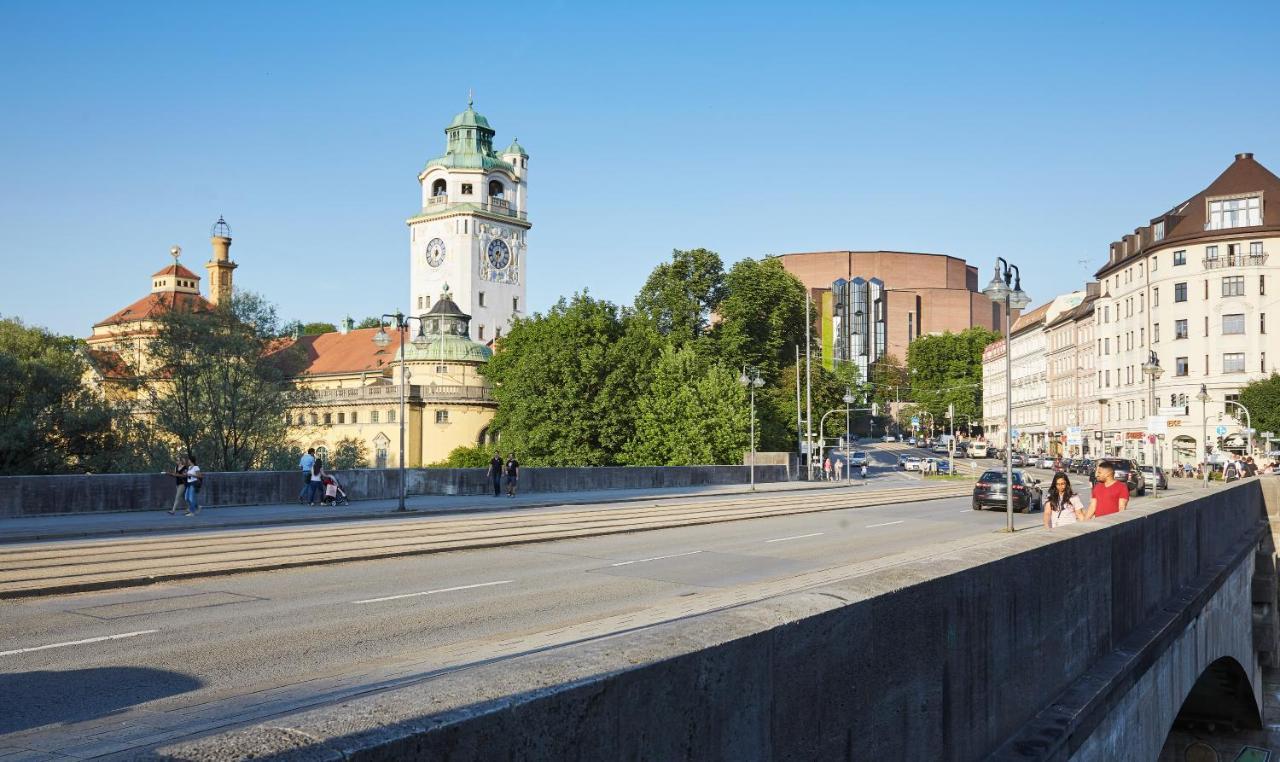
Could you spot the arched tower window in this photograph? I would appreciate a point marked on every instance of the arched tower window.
(497, 189)
(439, 188)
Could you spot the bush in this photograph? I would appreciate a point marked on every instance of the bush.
(466, 457)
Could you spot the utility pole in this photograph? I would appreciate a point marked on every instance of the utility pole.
(799, 421)
(808, 380)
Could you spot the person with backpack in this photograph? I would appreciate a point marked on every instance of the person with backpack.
(194, 479)
(305, 463)
(1061, 504)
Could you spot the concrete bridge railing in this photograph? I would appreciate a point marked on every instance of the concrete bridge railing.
(1084, 643)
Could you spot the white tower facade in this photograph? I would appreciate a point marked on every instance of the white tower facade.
(471, 234)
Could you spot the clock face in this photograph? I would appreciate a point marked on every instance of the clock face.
(435, 252)
(499, 254)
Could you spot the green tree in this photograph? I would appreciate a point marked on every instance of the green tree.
(349, 453)
(50, 422)
(680, 295)
(1262, 398)
(776, 404)
(313, 329)
(215, 388)
(761, 318)
(370, 322)
(566, 382)
(691, 414)
(946, 370)
(473, 456)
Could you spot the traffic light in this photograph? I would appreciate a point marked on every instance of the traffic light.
(875, 409)
(951, 410)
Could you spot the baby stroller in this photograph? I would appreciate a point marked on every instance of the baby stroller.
(333, 492)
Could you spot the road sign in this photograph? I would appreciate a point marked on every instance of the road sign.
(1157, 424)
(1151, 439)
(1014, 433)
(1250, 432)
(1075, 437)
(1221, 431)
(915, 421)
(1268, 435)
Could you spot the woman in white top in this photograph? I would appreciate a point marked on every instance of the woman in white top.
(194, 477)
(1061, 504)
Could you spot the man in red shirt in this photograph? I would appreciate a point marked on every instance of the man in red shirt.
(1109, 495)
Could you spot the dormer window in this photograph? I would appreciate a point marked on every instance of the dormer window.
(1239, 212)
(1157, 230)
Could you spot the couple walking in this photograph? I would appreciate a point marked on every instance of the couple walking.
(511, 469)
(1063, 506)
(187, 479)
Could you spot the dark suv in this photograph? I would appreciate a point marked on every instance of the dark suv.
(991, 489)
(1127, 471)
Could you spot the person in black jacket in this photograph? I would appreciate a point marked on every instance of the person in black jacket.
(495, 474)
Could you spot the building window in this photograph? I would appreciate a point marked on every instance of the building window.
(1157, 230)
(1211, 252)
(439, 188)
(1179, 292)
(373, 416)
(1155, 264)
(466, 189)
(1263, 364)
(1142, 335)
(497, 189)
(1232, 324)
(1106, 343)
(1206, 365)
(1255, 248)
(342, 417)
(1262, 285)
(1235, 213)
(1108, 377)
(322, 455)
(1142, 302)
(480, 335)
(1206, 289)
(442, 416)
(1179, 257)
(353, 416)
(1155, 298)
(1180, 329)
(315, 419)
(1233, 285)
(481, 298)
(515, 304)
(391, 416)
(419, 302)
(1180, 366)
(1106, 314)
(1155, 333)
(1233, 362)
(328, 418)
(442, 369)
(1262, 322)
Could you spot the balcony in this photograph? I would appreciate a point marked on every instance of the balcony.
(497, 206)
(440, 200)
(1235, 260)
(391, 393)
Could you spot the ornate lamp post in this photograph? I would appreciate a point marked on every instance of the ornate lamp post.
(1006, 286)
(1152, 370)
(1203, 396)
(750, 378)
(382, 339)
(848, 400)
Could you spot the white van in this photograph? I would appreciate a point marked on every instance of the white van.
(977, 449)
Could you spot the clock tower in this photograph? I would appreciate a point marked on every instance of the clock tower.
(471, 233)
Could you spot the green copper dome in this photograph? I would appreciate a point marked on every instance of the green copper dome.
(516, 148)
(448, 333)
(469, 118)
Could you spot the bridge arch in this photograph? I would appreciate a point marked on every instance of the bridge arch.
(1221, 703)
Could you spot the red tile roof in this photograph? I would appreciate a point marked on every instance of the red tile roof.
(178, 270)
(336, 352)
(153, 305)
(108, 364)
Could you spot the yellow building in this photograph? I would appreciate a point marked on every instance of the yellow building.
(357, 382)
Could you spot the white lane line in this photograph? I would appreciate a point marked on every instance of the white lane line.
(655, 558)
(796, 537)
(433, 592)
(77, 642)
(885, 524)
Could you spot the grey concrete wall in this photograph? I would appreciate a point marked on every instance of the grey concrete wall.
(43, 495)
(946, 654)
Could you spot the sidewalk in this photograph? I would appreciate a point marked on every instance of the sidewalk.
(90, 525)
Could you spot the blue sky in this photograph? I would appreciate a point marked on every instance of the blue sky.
(1036, 131)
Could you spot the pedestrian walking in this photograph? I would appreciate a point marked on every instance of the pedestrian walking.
(315, 482)
(194, 480)
(513, 474)
(826, 468)
(1250, 468)
(1062, 505)
(495, 473)
(305, 463)
(864, 472)
(179, 474)
(1109, 496)
(839, 469)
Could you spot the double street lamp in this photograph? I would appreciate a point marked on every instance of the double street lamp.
(383, 339)
(1152, 370)
(1006, 286)
(1203, 396)
(750, 378)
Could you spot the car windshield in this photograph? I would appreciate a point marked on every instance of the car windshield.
(998, 477)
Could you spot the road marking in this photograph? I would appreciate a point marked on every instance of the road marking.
(795, 537)
(433, 592)
(77, 642)
(885, 524)
(655, 558)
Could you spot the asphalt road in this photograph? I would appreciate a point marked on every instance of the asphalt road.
(94, 674)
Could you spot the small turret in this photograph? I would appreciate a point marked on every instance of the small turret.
(220, 266)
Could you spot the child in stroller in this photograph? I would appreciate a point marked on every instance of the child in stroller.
(333, 492)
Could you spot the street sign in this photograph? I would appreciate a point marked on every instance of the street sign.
(1075, 437)
(915, 421)
(1151, 439)
(1014, 433)
(1268, 435)
(1157, 424)
(1250, 432)
(1221, 431)
(1173, 411)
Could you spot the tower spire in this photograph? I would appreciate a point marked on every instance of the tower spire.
(471, 96)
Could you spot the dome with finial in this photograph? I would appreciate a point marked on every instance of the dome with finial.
(470, 117)
(220, 228)
(447, 330)
(516, 148)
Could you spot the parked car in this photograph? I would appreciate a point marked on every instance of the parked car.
(940, 465)
(991, 490)
(912, 463)
(912, 441)
(889, 438)
(1017, 460)
(940, 449)
(1156, 477)
(1044, 461)
(1083, 466)
(857, 458)
(978, 449)
(1127, 471)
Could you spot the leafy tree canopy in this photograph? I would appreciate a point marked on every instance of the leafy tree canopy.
(761, 317)
(947, 369)
(680, 295)
(1262, 398)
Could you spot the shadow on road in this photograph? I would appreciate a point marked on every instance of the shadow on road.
(33, 699)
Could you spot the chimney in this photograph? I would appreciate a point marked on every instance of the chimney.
(1092, 289)
(220, 266)
(1243, 156)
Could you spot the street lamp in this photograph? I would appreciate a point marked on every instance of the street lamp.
(752, 382)
(1006, 286)
(848, 400)
(382, 339)
(1153, 371)
(1203, 396)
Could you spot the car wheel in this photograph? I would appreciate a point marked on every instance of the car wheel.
(977, 506)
